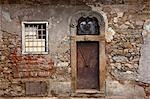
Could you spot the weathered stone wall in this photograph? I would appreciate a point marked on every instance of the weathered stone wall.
(72, 2)
(127, 73)
(124, 51)
(53, 68)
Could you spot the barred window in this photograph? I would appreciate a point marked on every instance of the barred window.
(35, 37)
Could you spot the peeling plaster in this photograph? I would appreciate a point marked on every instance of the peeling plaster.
(109, 34)
(144, 67)
(147, 26)
(146, 31)
(6, 15)
(126, 89)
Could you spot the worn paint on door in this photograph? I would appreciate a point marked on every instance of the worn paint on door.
(87, 65)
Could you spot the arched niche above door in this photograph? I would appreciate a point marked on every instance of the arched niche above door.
(88, 26)
(93, 15)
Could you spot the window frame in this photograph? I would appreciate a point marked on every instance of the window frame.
(23, 37)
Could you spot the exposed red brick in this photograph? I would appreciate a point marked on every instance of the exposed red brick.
(29, 65)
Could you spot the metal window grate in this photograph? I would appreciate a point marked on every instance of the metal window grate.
(35, 37)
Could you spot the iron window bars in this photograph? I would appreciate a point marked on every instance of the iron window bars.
(35, 37)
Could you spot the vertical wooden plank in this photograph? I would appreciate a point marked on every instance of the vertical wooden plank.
(87, 65)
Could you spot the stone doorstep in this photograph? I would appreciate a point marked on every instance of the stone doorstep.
(110, 97)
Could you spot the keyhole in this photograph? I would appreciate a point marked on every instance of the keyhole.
(86, 65)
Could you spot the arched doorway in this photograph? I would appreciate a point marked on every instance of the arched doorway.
(88, 60)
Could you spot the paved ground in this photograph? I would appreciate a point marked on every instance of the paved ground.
(111, 97)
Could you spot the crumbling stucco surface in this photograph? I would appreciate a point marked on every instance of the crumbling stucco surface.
(144, 68)
(127, 50)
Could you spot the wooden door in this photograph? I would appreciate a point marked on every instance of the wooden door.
(87, 65)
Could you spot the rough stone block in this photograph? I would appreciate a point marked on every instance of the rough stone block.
(59, 88)
(1, 92)
(115, 88)
(36, 88)
(120, 59)
(4, 85)
(63, 64)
